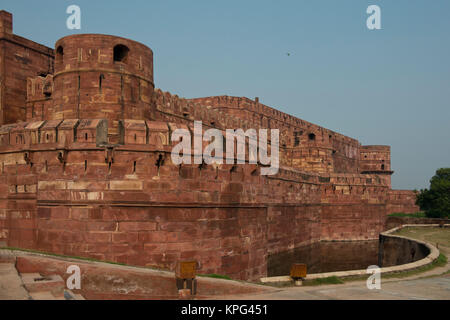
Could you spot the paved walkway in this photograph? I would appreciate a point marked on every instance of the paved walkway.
(418, 289)
(11, 286)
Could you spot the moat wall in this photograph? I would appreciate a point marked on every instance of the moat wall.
(395, 251)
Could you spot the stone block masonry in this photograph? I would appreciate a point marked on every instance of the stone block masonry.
(85, 167)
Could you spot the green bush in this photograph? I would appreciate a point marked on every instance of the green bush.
(436, 200)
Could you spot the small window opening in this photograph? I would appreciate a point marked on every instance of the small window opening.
(85, 165)
(85, 136)
(121, 53)
(297, 138)
(100, 80)
(312, 136)
(59, 55)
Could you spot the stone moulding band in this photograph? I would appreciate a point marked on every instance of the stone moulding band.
(105, 71)
(432, 256)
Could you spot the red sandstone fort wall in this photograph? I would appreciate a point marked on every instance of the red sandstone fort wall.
(402, 201)
(311, 148)
(90, 173)
(20, 58)
(70, 196)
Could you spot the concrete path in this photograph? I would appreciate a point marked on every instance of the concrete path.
(435, 288)
(11, 286)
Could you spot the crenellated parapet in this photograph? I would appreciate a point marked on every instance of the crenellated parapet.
(376, 160)
(306, 146)
(20, 58)
(86, 167)
(81, 132)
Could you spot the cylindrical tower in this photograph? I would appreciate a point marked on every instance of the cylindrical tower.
(102, 77)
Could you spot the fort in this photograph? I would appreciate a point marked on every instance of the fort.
(85, 167)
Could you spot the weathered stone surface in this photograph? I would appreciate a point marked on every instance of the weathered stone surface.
(85, 167)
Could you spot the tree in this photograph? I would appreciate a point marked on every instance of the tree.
(436, 200)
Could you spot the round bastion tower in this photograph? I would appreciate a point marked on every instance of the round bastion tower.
(102, 77)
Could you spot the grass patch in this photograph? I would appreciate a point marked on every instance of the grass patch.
(321, 281)
(420, 214)
(215, 276)
(439, 262)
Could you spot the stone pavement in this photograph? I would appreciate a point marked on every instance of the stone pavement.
(432, 284)
(435, 288)
(31, 286)
(11, 286)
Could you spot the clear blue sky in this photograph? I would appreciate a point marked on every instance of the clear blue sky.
(389, 86)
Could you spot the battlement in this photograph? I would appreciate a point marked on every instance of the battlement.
(19, 58)
(6, 22)
(86, 166)
(88, 132)
(376, 159)
(306, 145)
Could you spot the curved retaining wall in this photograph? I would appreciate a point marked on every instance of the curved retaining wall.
(398, 250)
(404, 243)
